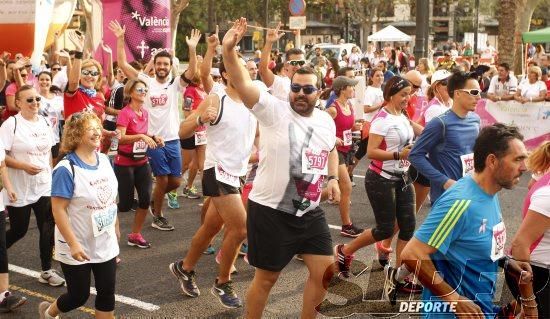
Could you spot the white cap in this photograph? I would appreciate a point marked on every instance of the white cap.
(440, 75)
(215, 72)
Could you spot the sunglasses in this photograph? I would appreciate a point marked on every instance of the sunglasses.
(444, 82)
(56, 69)
(28, 66)
(88, 72)
(297, 62)
(416, 87)
(472, 92)
(142, 90)
(32, 99)
(308, 89)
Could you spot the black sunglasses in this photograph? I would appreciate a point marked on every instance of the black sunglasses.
(88, 72)
(56, 69)
(32, 99)
(444, 82)
(297, 62)
(308, 89)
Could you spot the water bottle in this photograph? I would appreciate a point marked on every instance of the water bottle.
(114, 146)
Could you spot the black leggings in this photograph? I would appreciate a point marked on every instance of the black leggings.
(78, 279)
(3, 249)
(19, 224)
(391, 200)
(541, 288)
(130, 177)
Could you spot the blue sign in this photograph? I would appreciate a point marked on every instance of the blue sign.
(297, 7)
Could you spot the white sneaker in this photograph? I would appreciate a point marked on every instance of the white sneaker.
(51, 277)
(43, 308)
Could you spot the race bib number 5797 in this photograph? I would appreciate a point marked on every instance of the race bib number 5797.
(314, 162)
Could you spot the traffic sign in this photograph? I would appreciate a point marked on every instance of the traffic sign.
(297, 23)
(297, 7)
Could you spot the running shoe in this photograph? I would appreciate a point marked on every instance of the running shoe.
(42, 308)
(186, 279)
(245, 258)
(209, 251)
(390, 284)
(343, 261)
(383, 253)
(351, 231)
(161, 223)
(191, 193)
(51, 277)
(352, 182)
(219, 258)
(173, 200)
(11, 302)
(410, 286)
(243, 250)
(226, 294)
(137, 240)
(299, 257)
(135, 205)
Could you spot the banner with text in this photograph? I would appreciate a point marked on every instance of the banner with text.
(147, 26)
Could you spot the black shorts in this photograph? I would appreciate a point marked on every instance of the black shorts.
(109, 125)
(188, 143)
(214, 188)
(342, 158)
(274, 237)
(418, 178)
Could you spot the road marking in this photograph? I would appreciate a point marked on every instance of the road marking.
(46, 297)
(122, 299)
(334, 227)
(359, 176)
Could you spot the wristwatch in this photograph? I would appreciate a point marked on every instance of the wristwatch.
(332, 177)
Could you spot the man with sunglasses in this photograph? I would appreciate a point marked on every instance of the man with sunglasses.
(297, 153)
(294, 59)
(444, 151)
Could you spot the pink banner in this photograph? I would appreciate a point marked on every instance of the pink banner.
(533, 119)
(147, 26)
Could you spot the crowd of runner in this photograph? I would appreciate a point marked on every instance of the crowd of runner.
(271, 139)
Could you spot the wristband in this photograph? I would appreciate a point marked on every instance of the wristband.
(199, 122)
(527, 299)
(331, 177)
(396, 156)
(78, 55)
(184, 78)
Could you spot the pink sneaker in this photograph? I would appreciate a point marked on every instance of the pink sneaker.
(137, 240)
(383, 253)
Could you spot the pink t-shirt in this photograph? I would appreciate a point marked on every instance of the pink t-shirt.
(134, 124)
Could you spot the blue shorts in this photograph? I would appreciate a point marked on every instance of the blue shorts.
(166, 160)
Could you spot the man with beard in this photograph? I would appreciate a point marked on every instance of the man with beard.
(296, 154)
(455, 252)
(162, 105)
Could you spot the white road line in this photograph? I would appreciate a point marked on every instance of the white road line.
(359, 176)
(334, 227)
(122, 299)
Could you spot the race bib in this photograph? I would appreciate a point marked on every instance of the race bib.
(347, 137)
(226, 178)
(139, 149)
(467, 161)
(314, 162)
(402, 165)
(498, 241)
(200, 138)
(53, 121)
(104, 221)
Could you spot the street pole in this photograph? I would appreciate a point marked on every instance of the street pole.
(476, 25)
(211, 16)
(422, 34)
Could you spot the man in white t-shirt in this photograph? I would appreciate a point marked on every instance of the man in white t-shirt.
(162, 106)
(296, 153)
(294, 59)
(503, 86)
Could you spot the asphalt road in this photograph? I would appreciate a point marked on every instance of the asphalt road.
(145, 283)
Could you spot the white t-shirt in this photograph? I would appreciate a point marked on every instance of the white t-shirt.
(529, 90)
(162, 105)
(51, 109)
(373, 97)
(92, 210)
(435, 109)
(230, 137)
(280, 87)
(294, 152)
(540, 203)
(31, 143)
(397, 132)
(500, 89)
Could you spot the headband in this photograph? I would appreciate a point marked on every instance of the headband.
(398, 86)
